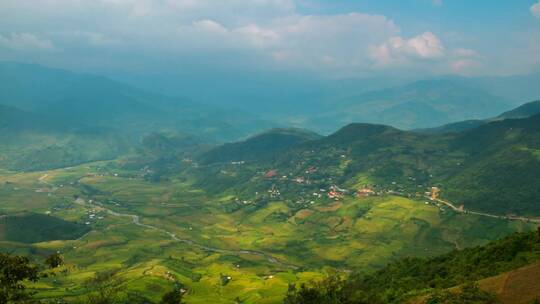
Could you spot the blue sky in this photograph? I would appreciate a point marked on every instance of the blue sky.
(336, 38)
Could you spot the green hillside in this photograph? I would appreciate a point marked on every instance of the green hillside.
(523, 111)
(526, 110)
(259, 146)
(500, 173)
(493, 168)
(406, 279)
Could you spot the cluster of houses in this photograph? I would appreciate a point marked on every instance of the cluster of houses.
(93, 215)
(334, 192)
(274, 192)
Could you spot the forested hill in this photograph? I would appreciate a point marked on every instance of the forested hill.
(526, 110)
(407, 279)
(493, 168)
(259, 146)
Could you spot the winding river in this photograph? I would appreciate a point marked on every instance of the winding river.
(137, 221)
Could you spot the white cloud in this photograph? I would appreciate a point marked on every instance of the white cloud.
(535, 9)
(25, 42)
(398, 50)
(426, 45)
(328, 40)
(270, 32)
(210, 26)
(425, 52)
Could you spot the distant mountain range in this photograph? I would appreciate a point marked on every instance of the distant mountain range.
(326, 104)
(237, 105)
(420, 104)
(523, 111)
(51, 118)
(30, 141)
(89, 100)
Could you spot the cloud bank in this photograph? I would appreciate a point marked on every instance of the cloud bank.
(256, 33)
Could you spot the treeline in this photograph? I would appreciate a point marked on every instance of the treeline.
(408, 278)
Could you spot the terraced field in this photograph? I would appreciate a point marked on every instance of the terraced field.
(148, 235)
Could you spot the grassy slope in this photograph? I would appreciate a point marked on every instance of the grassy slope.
(520, 286)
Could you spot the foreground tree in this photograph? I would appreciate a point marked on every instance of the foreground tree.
(55, 260)
(14, 272)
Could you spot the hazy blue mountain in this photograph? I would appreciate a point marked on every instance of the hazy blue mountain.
(523, 111)
(276, 94)
(28, 86)
(526, 110)
(98, 101)
(421, 104)
(30, 141)
(324, 104)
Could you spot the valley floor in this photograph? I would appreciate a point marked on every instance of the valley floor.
(149, 235)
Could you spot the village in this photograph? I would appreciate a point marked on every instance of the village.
(311, 187)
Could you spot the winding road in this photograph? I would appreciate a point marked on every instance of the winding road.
(504, 217)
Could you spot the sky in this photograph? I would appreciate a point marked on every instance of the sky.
(335, 38)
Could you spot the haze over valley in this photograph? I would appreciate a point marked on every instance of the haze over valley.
(276, 151)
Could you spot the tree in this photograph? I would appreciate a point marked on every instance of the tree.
(14, 271)
(55, 260)
(105, 288)
(174, 296)
(328, 291)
